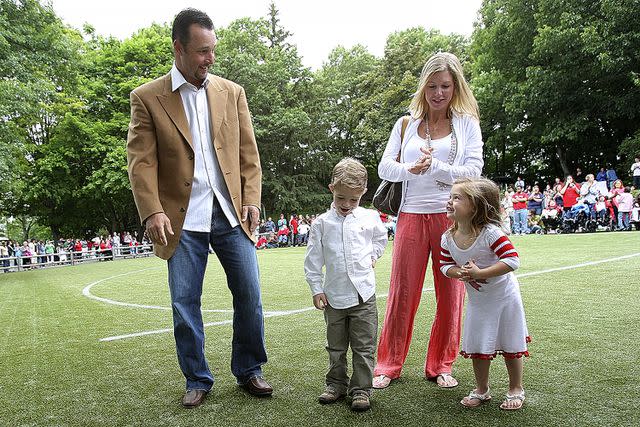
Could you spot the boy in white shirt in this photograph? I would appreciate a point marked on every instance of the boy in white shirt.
(347, 240)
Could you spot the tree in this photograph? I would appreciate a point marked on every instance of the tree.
(556, 82)
(254, 54)
(39, 80)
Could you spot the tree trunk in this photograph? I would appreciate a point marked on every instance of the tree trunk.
(563, 161)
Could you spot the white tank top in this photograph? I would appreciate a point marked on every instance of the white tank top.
(423, 194)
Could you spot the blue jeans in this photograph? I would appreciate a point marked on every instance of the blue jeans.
(623, 220)
(520, 221)
(186, 273)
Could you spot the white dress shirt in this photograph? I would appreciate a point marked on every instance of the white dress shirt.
(208, 181)
(345, 246)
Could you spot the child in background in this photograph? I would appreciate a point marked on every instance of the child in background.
(533, 222)
(550, 217)
(601, 208)
(635, 213)
(476, 251)
(625, 206)
(347, 240)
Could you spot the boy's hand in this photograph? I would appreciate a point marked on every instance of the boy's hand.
(320, 301)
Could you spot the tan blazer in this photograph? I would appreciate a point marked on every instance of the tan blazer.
(161, 159)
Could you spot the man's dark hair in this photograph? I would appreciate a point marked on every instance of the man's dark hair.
(184, 20)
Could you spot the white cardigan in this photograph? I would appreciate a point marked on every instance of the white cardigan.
(468, 160)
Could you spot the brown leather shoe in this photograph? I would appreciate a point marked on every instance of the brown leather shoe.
(257, 386)
(193, 398)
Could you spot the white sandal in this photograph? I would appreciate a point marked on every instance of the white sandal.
(447, 379)
(477, 397)
(511, 398)
(381, 381)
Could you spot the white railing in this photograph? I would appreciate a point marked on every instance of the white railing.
(22, 263)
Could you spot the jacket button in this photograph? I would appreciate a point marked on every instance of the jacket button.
(181, 209)
(186, 184)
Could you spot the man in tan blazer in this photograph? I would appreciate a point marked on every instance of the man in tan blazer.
(196, 180)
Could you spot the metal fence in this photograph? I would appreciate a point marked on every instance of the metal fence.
(62, 258)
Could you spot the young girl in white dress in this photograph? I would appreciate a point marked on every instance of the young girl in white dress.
(477, 251)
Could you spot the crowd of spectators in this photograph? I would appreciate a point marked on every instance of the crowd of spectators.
(295, 230)
(601, 200)
(41, 253)
(291, 232)
(580, 203)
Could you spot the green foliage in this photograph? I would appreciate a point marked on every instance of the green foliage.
(39, 77)
(556, 83)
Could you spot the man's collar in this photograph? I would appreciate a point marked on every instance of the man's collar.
(177, 79)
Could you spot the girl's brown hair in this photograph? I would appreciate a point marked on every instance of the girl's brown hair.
(485, 198)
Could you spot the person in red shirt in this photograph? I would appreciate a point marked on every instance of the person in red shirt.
(520, 211)
(262, 242)
(294, 229)
(570, 193)
(283, 236)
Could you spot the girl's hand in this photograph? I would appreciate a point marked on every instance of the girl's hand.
(471, 271)
(320, 301)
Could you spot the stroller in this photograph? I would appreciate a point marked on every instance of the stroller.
(578, 219)
(603, 221)
(552, 224)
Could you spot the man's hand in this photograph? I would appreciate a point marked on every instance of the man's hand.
(253, 214)
(156, 226)
(320, 301)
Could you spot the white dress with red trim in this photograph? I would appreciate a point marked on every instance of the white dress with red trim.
(494, 322)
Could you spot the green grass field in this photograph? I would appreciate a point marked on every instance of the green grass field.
(56, 369)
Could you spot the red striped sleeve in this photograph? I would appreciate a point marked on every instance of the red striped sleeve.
(445, 257)
(500, 241)
(509, 255)
(503, 248)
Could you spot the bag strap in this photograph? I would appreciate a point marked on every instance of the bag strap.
(405, 123)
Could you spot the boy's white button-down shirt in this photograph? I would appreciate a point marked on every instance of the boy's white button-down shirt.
(345, 246)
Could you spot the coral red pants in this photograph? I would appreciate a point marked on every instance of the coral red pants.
(417, 237)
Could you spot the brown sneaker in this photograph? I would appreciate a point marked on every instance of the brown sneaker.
(330, 395)
(360, 401)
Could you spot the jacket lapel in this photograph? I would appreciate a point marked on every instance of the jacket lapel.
(172, 104)
(217, 100)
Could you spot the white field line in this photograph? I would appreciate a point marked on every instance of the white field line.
(87, 293)
(302, 310)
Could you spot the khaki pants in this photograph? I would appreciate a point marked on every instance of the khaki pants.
(356, 326)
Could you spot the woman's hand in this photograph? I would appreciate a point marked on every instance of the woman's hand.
(423, 163)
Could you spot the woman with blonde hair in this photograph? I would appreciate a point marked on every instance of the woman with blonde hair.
(441, 142)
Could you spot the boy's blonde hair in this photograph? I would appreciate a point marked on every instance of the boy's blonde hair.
(463, 101)
(485, 198)
(350, 173)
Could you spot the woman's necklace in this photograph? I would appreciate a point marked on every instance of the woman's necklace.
(442, 186)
